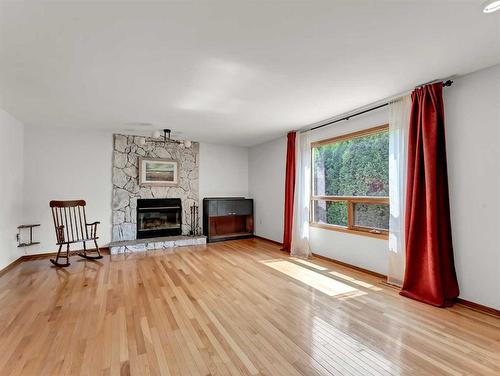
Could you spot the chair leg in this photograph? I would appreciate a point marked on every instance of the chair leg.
(84, 254)
(58, 253)
(97, 249)
(56, 261)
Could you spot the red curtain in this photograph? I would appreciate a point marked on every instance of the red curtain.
(289, 191)
(430, 272)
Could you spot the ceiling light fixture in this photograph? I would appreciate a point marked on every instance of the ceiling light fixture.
(491, 6)
(165, 139)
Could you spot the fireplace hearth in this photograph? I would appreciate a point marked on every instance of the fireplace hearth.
(159, 217)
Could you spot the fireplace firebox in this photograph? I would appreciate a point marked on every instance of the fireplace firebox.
(159, 217)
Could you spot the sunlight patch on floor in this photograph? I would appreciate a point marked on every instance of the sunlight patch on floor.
(355, 281)
(308, 263)
(311, 278)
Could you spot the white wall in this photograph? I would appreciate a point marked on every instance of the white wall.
(223, 170)
(11, 186)
(472, 107)
(267, 187)
(63, 164)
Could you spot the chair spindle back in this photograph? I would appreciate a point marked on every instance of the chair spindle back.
(70, 221)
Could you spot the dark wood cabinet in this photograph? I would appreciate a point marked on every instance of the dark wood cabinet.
(226, 218)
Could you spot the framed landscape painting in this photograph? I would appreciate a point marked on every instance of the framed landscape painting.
(159, 172)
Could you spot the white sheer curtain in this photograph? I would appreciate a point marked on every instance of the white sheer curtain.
(399, 119)
(300, 229)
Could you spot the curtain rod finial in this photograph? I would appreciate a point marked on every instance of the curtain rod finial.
(448, 83)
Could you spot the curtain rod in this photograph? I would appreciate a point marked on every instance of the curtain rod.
(376, 107)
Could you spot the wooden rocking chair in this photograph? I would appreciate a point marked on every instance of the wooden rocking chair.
(71, 226)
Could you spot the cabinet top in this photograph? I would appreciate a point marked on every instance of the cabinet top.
(225, 198)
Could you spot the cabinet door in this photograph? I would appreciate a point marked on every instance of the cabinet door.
(212, 208)
(243, 207)
(225, 207)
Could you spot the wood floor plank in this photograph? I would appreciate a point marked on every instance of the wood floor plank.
(235, 308)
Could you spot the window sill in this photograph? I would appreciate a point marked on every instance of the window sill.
(382, 235)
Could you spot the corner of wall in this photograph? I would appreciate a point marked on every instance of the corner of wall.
(12, 187)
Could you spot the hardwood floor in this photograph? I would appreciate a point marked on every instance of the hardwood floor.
(234, 308)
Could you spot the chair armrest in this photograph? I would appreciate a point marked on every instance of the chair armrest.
(93, 229)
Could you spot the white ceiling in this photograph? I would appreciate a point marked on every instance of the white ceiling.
(235, 72)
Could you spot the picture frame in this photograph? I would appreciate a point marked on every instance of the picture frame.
(158, 172)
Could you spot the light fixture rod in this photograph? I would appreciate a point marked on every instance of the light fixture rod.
(167, 139)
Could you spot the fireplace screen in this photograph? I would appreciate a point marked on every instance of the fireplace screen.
(157, 220)
(158, 217)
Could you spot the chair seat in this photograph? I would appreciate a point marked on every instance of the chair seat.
(79, 240)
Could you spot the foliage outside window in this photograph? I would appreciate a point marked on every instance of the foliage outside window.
(350, 182)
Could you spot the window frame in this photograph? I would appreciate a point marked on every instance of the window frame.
(350, 200)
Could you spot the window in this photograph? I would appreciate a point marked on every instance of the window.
(350, 183)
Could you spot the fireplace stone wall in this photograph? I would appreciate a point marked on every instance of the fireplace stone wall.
(126, 190)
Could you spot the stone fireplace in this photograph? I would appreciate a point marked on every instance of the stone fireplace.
(128, 194)
(159, 217)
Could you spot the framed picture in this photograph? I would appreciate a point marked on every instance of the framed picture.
(157, 171)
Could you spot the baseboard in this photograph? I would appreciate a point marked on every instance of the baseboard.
(11, 266)
(268, 240)
(41, 256)
(38, 256)
(375, 274)
(478, 307)
(471, 305)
